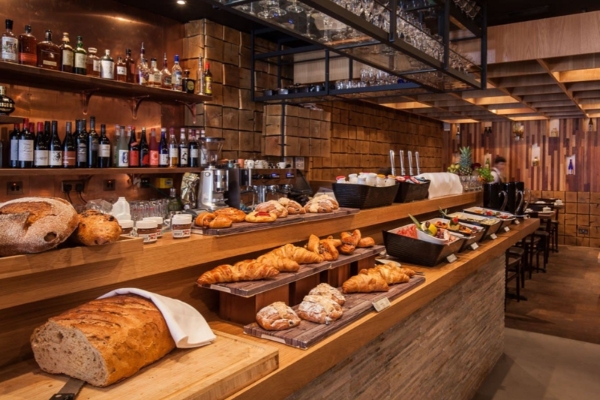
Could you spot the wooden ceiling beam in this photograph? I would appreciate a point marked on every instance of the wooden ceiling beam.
(514, 69)
(582, 61)
(531, 90)
(583, 86)
(559, 109)
(546, 104)
(477, 94)
(560, 84)
(580, 75)
(590, 94)
(525, 81)
(548, 97)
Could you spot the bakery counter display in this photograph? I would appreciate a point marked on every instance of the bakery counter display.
(142, 336)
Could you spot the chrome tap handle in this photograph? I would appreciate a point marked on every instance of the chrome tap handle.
(410, 168)
(402, 171)
(418, 163)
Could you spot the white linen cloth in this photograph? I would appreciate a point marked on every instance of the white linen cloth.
(187, 326)
(442, 184)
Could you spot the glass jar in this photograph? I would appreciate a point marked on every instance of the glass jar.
(159, 224)
(181, 225)
(147, 230)
(126, 227)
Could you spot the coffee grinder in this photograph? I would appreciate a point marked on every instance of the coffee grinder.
(214, 180)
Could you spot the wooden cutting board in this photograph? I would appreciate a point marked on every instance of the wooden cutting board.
(210, 372)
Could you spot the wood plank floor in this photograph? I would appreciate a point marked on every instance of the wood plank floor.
(563, 302)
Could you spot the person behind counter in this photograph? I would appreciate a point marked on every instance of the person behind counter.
(498, 169)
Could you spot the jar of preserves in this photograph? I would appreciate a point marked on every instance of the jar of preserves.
(147, 230)
(181, 225)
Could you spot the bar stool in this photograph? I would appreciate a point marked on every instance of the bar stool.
(514, 258)
(554, 236)
(543, 247)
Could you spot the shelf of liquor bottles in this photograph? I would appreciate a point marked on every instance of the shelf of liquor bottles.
(93, 171)
(89, 86)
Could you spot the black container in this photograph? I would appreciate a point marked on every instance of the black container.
(417, 251)
(469, 240)
(408, 192)
(520, 200)
(489, 229)
(352, 195)
(491, 196)
(511, 196)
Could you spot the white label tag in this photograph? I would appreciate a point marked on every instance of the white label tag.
(474, 246)
(381, 304)
(451, 258)
(273, 338)
(220, 288)
(517, 222)
(493, 236)
(506, 229)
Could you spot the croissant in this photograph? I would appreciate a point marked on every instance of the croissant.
(391, 275)
(346, 249)
(336, 242)
(313, 244)
(351, 238)
(365, 283)
(366, 242)
(248, 270)
(328, 250)
(281, 264)
(298, 254)
(406, 271)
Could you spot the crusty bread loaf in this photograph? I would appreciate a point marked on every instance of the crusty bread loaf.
(96, 228)
(103, 341)
(35, 224)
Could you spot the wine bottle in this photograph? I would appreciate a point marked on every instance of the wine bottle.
(154, 148)
(40, 155)
(82, 145)
(26, 144)
(55, 147)
(163, 149)
(134, 150)
(144, 150)
(14, 147)
(173, 149)
(194, 149)
(103, 148)
(93, 141)
(47, 132)
(119, 130)
(183, 150)
(123, 148)
(69, 149)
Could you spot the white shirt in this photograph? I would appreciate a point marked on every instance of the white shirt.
(497, 176)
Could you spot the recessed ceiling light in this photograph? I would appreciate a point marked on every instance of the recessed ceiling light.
(182, 2)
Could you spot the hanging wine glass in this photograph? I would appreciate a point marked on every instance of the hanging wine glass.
(271, 10)
(294, 7)
(308, 34)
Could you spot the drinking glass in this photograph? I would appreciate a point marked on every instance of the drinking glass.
(294, 7)
(308, 34)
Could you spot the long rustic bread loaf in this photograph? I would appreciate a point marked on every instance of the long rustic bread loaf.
(103, 341)
(35, 224)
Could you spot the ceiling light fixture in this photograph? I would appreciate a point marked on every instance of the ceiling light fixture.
(182, 2)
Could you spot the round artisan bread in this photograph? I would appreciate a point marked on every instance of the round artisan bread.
(35, 224)
(96, 228)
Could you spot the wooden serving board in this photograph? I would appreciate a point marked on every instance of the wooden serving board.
(309, 333)
(210, 372)
(252, 288)
(341, 212)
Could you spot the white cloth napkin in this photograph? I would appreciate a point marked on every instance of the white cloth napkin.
(187, 326)
(442, 184)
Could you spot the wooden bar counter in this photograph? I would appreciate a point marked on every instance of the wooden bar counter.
(442, 337)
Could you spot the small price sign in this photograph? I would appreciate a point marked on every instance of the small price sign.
(381, 304)
(474, 246)
(493, 236)
(506, 229)
(451, 258)
(517, 222)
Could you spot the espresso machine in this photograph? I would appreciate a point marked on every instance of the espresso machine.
(215, 181)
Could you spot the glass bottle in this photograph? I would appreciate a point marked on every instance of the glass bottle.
(154, 75)
(200, 76)
(134, 150)
(69, 156)
(121, 68)
(93, 62)
(80, 64)
(203, 150)
(184, 159)
(67, 54)
(40, 152)
(107, 66)
(174, 204)
(93, 144)
(166, 74)
(130, 65)
(48, 53)
(81, 140)
(176, 75)
(142, 68)
(154, 149)
(123, 148)
(144, 150)
(55, 148)
(173, 149)
(103, 149)
(163, 149)
(10, 44)
(194, 149)
(7, 104)
(27, 47)
(207, 80)
(189, 85)
(14, 147)
(119, 130)
(47, 132)
(26, 144)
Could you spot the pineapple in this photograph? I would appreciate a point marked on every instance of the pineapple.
(466, 159)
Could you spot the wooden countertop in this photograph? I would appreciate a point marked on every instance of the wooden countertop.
(299, 367)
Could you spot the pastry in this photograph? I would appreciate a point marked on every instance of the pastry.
(390, 274)
(272, 206)
(220, 221)
(233, 214)
(346, 249)
(277, 317)
(35, 224)
(292, 206)
(256, 216)
(281, 264)
(326, 290)
(407, 271)
(366, 242)
(103, 341)
(325, 248)
(336, 242)
(204, 219)
(298, 254)
(96, 228)
(319, 309)
(247, 270)
(318, 207)
(351, 238)
(365, 283)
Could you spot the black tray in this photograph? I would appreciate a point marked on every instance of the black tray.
(469, 240)
(352, 195)
(417, 251)
(408, 192)
(488, 229)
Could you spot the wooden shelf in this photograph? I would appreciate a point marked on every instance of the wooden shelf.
(92, 171)
(88, 86)
(8, 119)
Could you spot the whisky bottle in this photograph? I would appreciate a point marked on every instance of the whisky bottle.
(80, 58)
(173, 150)
(189, 85)
(154, 75)
(154, 149)
(142, 68)
(194, 149)
(183, 150)
(200, 76)
(67, 54)
(69, 149)
(134, 150)
(207, 80)
(176, 75)
(166, 74)
(121, 68)
(48, 53)
(163, 149)
(55, 148)
(27, 47)
(10, 44)
(26, 144)
(14, 147)
(40, 155)
(144, 150)
(130, 65)
(93, 144)
(82, 145)
(7, 104)
(93, 62)
(103, 149)
(107, 66)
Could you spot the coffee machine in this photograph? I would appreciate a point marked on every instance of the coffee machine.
(215, 181)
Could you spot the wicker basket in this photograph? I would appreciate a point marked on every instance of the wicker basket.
(408, 192)
(418, 251)
(352, 195)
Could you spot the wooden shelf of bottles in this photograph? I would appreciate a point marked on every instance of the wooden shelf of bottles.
(92, 171)
(89, 86)
(7, 119)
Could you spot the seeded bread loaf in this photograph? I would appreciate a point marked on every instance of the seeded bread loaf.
(35, 224)
(103, 341)
(96, 228)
